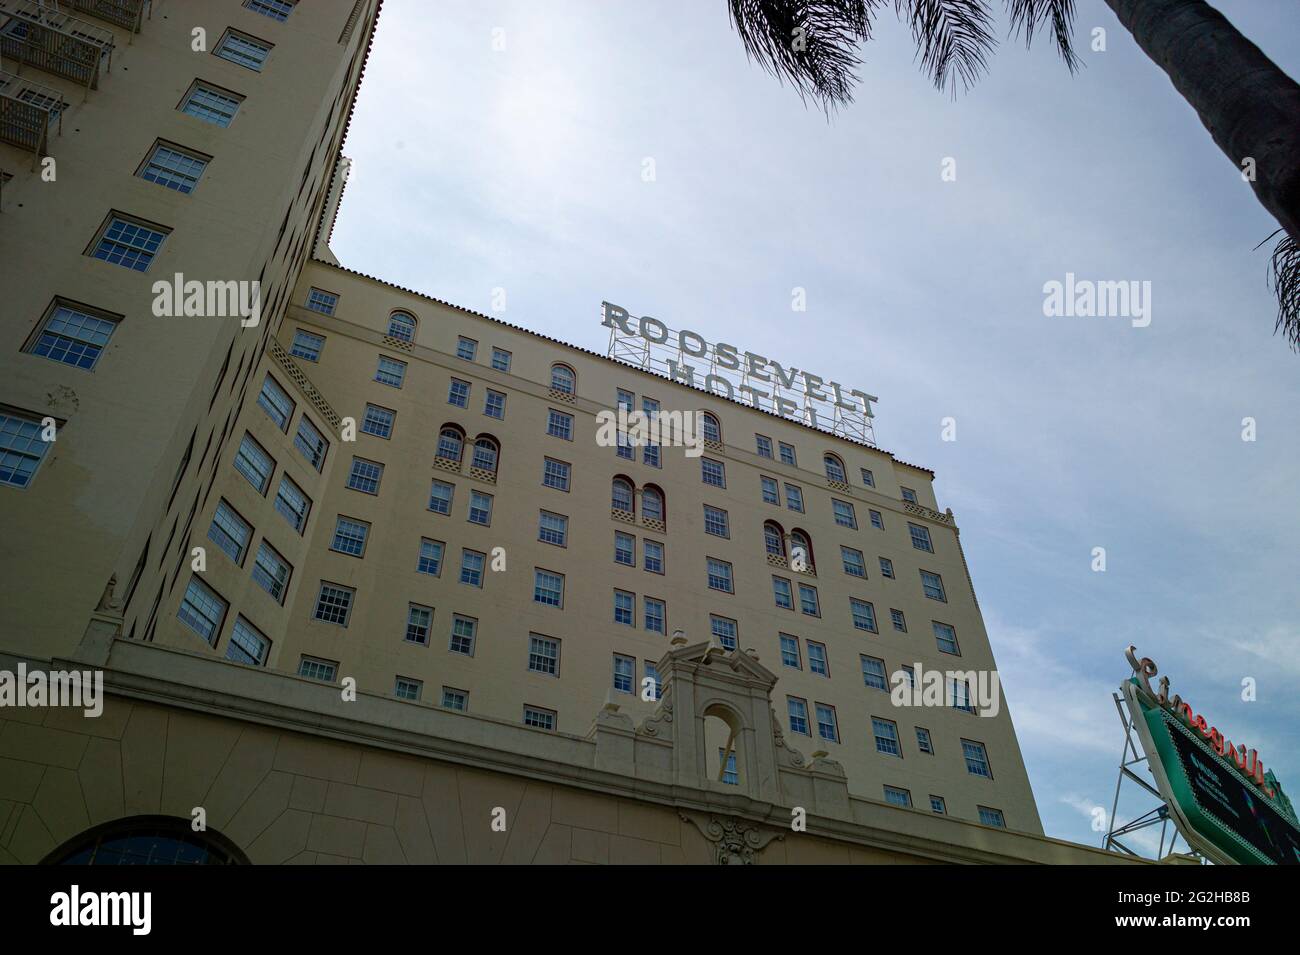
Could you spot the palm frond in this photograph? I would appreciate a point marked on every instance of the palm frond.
(1284, 279)
(1027, 15)
(811, 43)
(953, 38)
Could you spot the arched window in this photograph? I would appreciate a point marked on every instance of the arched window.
(402, 325)
(622, 498)
(564, 378)
(712, 430)
(834, 468)
(799, 539)
(147, 840)
(451, 444)
(652, 503)
(485, 454)
(773, 540)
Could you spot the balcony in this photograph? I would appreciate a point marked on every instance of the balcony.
(127, 14)
(55, 42)
(28, 112)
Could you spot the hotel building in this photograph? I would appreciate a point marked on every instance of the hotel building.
(359, 573)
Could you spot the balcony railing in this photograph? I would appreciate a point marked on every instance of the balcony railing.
(53, 41)
(123, 13)
(28, 112)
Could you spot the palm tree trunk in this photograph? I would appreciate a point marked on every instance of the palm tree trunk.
(1250, 107)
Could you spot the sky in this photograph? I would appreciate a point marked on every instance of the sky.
(502, 146)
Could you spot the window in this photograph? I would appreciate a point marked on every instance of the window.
(992, 817)
(709, 426)
(174, 168)
(556, 474)
(932, 584)
(73, 335)
(877, 521)
(654, 556)
(624, 549)
(886, 734)
(724, 629)
(656, 615)
(730, 776)
(652, 504)
(844, 515)
(713, 472)
(250, 461)
(794, 497)
(650, 456)
(401, 325)
(787, 455)
(480, 508)
(543, 655)
(407, 689)
(458, 393)
(464, 630)
(977, 759)
(898, 797)
(548, 588)
(130, 243)
(652, 674)
(451, 444)
(817, 659)
(808, 602)
(945, 637)
(211, 104)
(311, 443)
(318, 300)
(563, 379)
(624, 608)
(247, 644)
(909, 674)
(275, 9)
(485, 455)
(390, 371)
(500, 359)
(864, 614)
(276, 404)
(230, 532)
(440, 497)
(625, 399)
(720, 575)
(494, 404)
(873, 673)
(453, 699)
(243, 50)
(834, 468)
(559, 425)
(313, 669)
(202, 610)
(466, 348)
(538, 718)
(306, 345)
(419, 621)
(350, 536)
(365, 476)
(334, 603)
(623, 448)
(650, 453)
(763, 445)
(886, 568)
(624, 673)
(854, 565)
(292, 503)
(271, 571)
(908, 494)
(790, 652)
(553, 529)
(430, 560)
(783, 594)
(471, 567)
(770, 492)
(921, 538)
(868, 478)
(773, 542)
(715, 522)
(961, 696)
(923, 741)
(378, 421)
(828, 727)
(798, 710)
